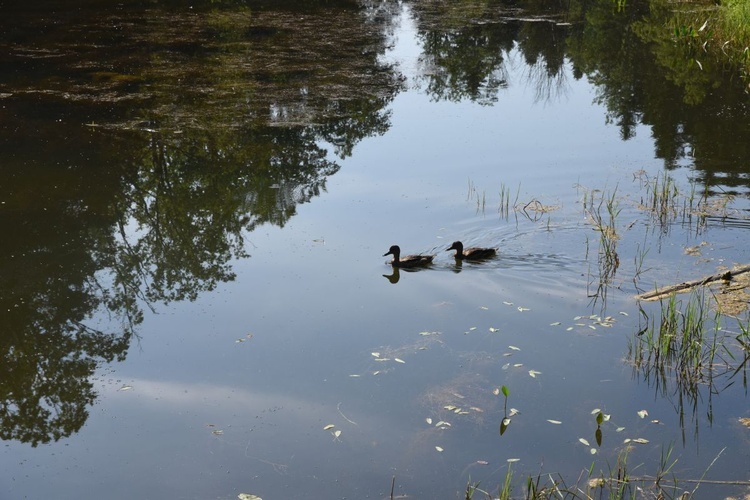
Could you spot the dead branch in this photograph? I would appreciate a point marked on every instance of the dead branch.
(688, 285)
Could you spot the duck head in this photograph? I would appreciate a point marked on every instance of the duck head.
(457, 245)
(394, 250)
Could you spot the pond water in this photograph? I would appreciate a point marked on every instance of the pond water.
(195, 209)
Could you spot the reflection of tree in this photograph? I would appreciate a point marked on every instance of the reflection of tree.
(468, 64)
(193, 198)
(543, 47)
(49, 291)
(465, 47)
(231, 113)
(607, 52)
(644, 77)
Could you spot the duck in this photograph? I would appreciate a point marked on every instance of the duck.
(408, 260)
(472, 253)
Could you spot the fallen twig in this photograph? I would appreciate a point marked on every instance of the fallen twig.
(688, 285)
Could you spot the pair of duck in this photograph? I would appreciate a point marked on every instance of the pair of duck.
(472, 253)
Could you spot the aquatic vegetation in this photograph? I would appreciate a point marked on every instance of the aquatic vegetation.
(681, 342)
(505, 205)
(601, 212)
(686, 352)
(481, 199)
(617, 482)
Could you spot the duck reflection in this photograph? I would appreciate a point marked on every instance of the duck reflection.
(394, 276)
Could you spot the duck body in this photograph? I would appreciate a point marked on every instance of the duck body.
(408, 260)
(472, 253)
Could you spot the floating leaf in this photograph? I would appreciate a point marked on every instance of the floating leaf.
(620, 429)
(517, 365)
(595, 411)
(477, 409)
(592, 451)
(376, 354)
(623, 313)
(505, 366)
(640, 441)
(425, 334)
(484, 308)
(438, 448)
(399, 360)
(217, 432)
(598, 482)
(504, 423)
(125, 388)
(568, 328)
(556, 323)
(337, 434)
(450, 407)
(493, 330)
(514, 348)
(329, 426)
(586, 443)
(376, 372)
(606, 416)
(556, 422)
(507, 303)
(513, 412)
(534, 373)
(482, 462)
(354, 375)
(511, 460)
(472, 328)
(248, 496)
(496, 391)
(577, 318)
(522, 309)
(428, 420)
(443, 424)
(643, 413)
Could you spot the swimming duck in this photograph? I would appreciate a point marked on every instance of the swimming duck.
(473, 253)
(408, 260)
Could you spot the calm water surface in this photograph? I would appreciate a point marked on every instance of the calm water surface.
(234, 391)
